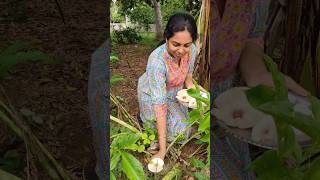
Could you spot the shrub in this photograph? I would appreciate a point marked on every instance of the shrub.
(127, 36)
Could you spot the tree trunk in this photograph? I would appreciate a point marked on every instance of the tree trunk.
(158, 18)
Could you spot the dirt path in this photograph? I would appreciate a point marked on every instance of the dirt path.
(132, 64)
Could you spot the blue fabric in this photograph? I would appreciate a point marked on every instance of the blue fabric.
(98, 97)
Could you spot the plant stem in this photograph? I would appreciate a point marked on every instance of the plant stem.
(124, 124)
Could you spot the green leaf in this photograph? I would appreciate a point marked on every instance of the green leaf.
(314, 171)
(7, 176)
(125, 140)
(131, 166)
(112, 177)
(197, 163)
(315, 107)
(205, 137)
(205, 123)
(116, 79)
(283, 110)
(259, 95)
(133, 147)
(144, 136)
(115, 158)
(152, 137)
(141, 148)
(195, 93)
(146, 141)
(201, 176)
(194, 115)
(269, 166)
(278, 79)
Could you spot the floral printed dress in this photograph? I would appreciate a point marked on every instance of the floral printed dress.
(242, 21)
(158, 87)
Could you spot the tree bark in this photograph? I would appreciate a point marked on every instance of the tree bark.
(158, 19)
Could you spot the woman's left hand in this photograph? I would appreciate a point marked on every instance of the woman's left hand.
(266, 79)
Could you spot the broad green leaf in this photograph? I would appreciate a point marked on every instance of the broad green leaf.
(201, 176)
(269, 166)
(133, 147)
(259, 95)
(131, 167)
(197, 163)
(205, 123)
(112, 177)
(115, 158)
(152, 137)
(7, 176)
(125, 140)
(314, 171)
(194, 115)
(315, 107)
(205, 138)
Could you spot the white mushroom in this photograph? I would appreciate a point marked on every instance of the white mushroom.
(235, 110)
(156, 165)
(303, 108)
(237, 114)
(231, 95)
(265, 131)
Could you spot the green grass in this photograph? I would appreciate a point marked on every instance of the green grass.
(148, 39)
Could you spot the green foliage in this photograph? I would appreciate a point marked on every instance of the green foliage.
(120, 157)
(169, 8)
(17, 53)
(114, 60)
(117, 15)
(127, 36)
(274, 101)
(116, 79)
(142, 15)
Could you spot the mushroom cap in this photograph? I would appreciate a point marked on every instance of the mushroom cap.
(265, 131)
(234, 109)
(156, 165)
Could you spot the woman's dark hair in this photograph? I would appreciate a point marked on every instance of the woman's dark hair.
(180, 22)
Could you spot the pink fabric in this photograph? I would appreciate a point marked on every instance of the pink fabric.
(230, 35)
(177, 74)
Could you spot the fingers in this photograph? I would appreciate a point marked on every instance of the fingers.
(295, 87)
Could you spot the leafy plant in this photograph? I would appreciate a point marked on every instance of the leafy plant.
(127, 36)
(116, 79)
(121, 158)
(143, 15)
(17, 53)
(289, 161)
(114, 60)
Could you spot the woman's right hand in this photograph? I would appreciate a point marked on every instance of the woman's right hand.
(266, 79)
(160, 154)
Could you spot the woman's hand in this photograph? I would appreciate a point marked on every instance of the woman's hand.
(266, 79)
(160, 154)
